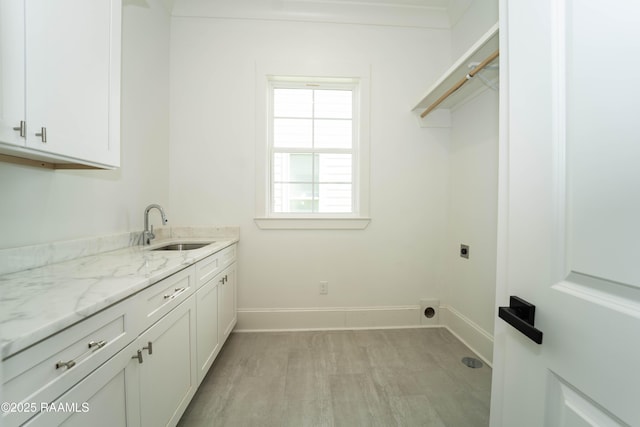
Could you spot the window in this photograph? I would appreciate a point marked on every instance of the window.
(313, 146)
(313, 159)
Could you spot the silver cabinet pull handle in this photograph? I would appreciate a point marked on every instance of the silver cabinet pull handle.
(42, 134)
(149, 347)
(98, 344)
(22, 128)
(138, 356)
(70, 364)
(175, 293)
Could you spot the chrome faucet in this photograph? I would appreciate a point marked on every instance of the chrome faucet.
(147, 234)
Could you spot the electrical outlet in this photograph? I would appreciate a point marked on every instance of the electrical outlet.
(464, 251)
(324, 288)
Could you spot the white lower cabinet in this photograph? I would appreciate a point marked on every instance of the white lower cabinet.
(216, 317)
(107, 398)
(40, 374)
(174, 333)
(148, 384)
(215, 306)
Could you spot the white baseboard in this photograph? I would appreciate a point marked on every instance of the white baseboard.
(327, 318)
(467, 331)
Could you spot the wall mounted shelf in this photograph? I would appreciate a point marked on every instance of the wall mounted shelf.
(463, 80)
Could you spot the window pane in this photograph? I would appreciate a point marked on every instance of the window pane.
(292, 102)
(333, 133)
(333, 104)
(294, 198)
(293, 167)
(281, 167)
(335, 168)
(301, 167)
(334, 198)
(294, 133)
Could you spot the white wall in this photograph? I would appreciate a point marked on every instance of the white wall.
(469, 284)
(471, 22)
(39, 206)
(395, 261)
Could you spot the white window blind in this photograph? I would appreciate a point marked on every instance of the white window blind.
(313, 148)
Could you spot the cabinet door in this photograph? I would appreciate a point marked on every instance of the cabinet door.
(168, 373)
(11, 71)
(207, 341)
(227, 303)
(108, 397)
(73, 78)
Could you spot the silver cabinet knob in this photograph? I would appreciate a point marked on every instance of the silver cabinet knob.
(138, 356)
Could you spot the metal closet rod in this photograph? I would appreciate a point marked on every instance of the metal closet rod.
(461, 82)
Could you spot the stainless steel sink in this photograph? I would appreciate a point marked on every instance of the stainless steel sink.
(181, 246)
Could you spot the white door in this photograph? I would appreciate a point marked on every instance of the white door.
(569, 217)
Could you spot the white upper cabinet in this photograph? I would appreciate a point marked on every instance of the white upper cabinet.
(70, 80)
(12, 72)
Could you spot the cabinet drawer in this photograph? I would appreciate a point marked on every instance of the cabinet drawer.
(207, 268)
(164, 296)
(227, 256)
(43, 372)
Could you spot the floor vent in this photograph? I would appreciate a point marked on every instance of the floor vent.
(472, 362)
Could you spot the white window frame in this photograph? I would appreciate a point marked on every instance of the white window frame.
(359, 217)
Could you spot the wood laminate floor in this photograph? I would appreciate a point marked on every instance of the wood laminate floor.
(394, 377)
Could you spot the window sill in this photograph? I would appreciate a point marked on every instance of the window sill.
(312, 223)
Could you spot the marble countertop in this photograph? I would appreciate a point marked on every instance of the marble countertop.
(39, 302)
